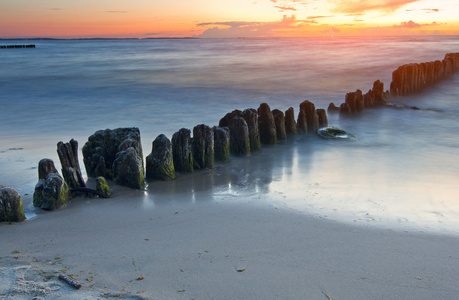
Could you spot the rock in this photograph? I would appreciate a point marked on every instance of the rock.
(454, 60)
(239, 137)
(290, 123)
(355, 101)
(68, 156)
(379, 96)
(345, 108)
(221, 143)
(160, 162)
(409, 79)
(376, 96)
(226, 120)
(312, 118)
(45, 167)
(368, 99)
(203, 147)
(11, 209)
(323, 120)
(412, 78)
(302, 123)
(103, 148)
(51, 191)
(128, 169)
(279, 121)
(334, 133)
(332, 108)
(266, 125)
(251, 118)
(103, 187)
(182, 150)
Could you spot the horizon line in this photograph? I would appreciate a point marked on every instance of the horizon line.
(197, 37)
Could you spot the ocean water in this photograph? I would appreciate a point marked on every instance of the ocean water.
(401, 170)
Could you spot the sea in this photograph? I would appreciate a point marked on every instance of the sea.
(400, 172)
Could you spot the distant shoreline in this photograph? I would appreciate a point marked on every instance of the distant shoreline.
(200, 38)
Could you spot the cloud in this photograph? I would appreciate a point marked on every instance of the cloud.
(284, 8)
(410, 25)
(232, 24)
(427, 10)
(318, 17)
(358, 6)
(284, 5)
(250, 29)
(399, 31)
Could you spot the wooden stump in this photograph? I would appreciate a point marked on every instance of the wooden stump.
(68, 155)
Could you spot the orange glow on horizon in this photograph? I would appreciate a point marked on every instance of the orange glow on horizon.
(220, 19)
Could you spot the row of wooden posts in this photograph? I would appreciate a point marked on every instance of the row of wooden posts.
(242, 132)
(238, 133)
(407, 80)
(16, 46)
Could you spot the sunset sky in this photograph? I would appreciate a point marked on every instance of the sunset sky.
(226, 18)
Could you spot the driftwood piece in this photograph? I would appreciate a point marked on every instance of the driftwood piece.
(70, 281)
(68, 155)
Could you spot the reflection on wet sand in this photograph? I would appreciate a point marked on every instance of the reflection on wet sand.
(244, 177)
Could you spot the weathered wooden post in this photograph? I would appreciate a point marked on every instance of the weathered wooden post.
(68, 156)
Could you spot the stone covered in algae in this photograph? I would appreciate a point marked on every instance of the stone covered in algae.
(203, 147)
(103, 148)
(103, 187)
(251, 118)
(266, 125)
(279, 120)
(312, 119)
(51, 191)
(182, 151)
(128, 169)
(323, 119)
(11, 209)
(290, 123)
(302, 123)
(239, 137)
(160, 162)
(221, 143)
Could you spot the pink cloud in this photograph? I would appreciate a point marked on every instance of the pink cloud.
(250, 29)
(410, 25)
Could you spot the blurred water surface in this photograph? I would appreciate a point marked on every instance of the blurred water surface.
(403, 167)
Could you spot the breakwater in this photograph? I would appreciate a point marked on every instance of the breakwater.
(298, 121)
(407, 79)
(413, 78)
(16, 46)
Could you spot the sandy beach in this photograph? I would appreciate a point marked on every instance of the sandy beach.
(132, 247)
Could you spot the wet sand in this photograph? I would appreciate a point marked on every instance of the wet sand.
(195, 248)
(258, 227)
